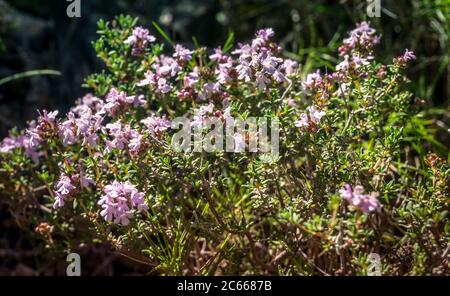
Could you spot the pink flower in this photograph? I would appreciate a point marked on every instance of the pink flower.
(46, 128)
(125, 137)
(362, 39)
(121, 135)
(182, 53)
(208, 90)
(312, 82)
(161, 84)
(64, 188)
(257, 63)
(262, 37)
(356, 197)
(309, 122)
(136, 145)
(139, 40)
(150, 78)
(218, 55)
(117, 101)
(289, 67)
(9, 144)
(68, 186)
(84, 127)
(201, 115)
(156, 125)
(403, 60)
(167, 66)
(224, 70)
(409, 55)
(303, 123)
(68, 130)
(88, 101)
(192, 78)
(314, 114)
(119, 202)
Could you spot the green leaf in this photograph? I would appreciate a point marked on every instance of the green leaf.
(28, 74)
(163, 34)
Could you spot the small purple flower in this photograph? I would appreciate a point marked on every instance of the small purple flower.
(137, 145)
(357, 198)
(139, 40)
(303, 123)
(68, 129)
(362, 39)
(201, 115)
(409, 55)
(182, 53)
(261, 80)
(64, 188)
(125, 137)
(88, 101)
(84, 127)
(313, 81)
(224, 70)
(289, 67)
(192, 78)
(244, 71)
(314, 114)
(117, 101)
(156, 125)
(402, 61)
(309, 122)
(161, 84)
(85, 181)
(120, 200)
(9, 144)
(208, 90)
(46, 128)
(218, 55)
(68, 186)
(262, 37)
(121, 135)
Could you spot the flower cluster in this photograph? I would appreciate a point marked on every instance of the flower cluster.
(362, 40)
(357, 50)
(164, 69)
(119, 200)
(125, 137)
(357, 198)
(45, 129)
(81, 124)
(68, 186)
(22, 141)
(156, 125)
(139, 40)
(309, 121)
(258, 62)
(403, 60)
(118, 101)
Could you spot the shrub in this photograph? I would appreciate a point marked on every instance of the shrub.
(349, 178)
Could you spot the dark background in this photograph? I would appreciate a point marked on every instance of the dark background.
(39, 35)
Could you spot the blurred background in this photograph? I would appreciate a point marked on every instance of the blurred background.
(38, 34)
